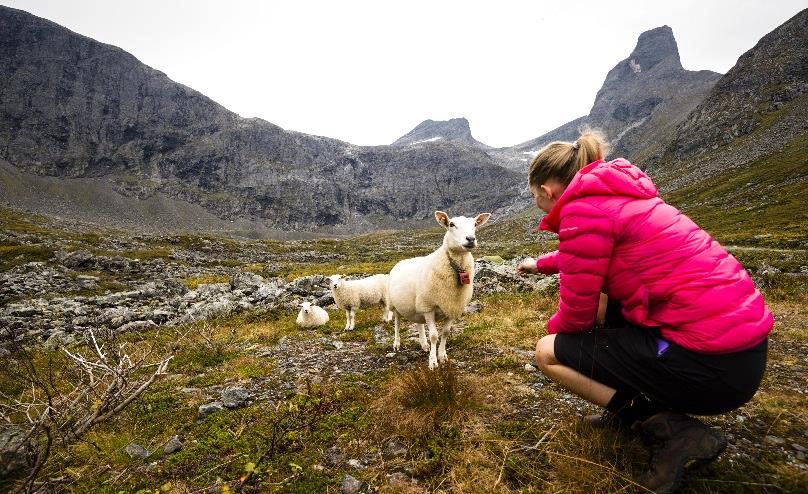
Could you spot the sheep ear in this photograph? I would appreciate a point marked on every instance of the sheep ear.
(442, 218)
(481, 219)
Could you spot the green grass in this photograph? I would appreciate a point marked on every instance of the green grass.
(15, 255)
(761, 204)
(26, 223)
(482, 425)
(466, 431)
(293, 271)
(194, 282)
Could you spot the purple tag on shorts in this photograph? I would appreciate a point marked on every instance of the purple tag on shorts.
(661, 346)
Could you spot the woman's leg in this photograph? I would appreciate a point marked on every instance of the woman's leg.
(585, 387)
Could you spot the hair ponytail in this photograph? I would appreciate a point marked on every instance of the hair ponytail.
(562, 160)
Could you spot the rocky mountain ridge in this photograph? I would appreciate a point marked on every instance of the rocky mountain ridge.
(74, 108)
(455, 130)
(641, 101)
(765, 80)
(758, 109)
(91, 133)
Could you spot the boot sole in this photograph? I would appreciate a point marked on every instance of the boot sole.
(692, 464)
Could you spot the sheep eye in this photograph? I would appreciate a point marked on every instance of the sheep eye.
(451, 225)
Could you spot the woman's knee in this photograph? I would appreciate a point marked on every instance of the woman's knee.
(545, 352)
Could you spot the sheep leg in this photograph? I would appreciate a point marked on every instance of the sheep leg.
(353, 318)
(347, 319)
(444, 335)
(388, 316)
(433, 339)
(422, 338)
(396, 338)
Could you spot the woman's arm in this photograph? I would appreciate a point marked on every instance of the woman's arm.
(546, 264)
(586, 240)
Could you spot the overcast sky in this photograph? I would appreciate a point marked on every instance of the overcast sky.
(367, 72)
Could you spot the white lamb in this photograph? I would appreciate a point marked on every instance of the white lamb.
(353, 294)
(311, 316)
(437, 287)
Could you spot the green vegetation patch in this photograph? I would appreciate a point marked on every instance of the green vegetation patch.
(194, 282)
(761, 204)
(15, 255)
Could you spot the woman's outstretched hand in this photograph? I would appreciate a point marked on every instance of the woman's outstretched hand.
(528, 266)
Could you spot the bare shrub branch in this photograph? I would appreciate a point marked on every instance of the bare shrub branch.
(95, 384)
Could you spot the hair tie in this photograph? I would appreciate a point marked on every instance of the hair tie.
(575, 145)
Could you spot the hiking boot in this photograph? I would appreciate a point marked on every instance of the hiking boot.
(679, 443)
(624, 412)
(605, 420)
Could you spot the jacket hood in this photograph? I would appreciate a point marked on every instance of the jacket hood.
(601, 178)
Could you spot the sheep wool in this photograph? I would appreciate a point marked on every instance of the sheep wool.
(350, 295)
(311, 316)
(437, 287)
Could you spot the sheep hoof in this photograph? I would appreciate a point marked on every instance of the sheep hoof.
(443, 358)
(424, 346)
(396, 346)
(433, 364)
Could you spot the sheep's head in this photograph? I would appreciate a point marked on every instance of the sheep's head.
(334, 281)
(461, 232)
(305, 307)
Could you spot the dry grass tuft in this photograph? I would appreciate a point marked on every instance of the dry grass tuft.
(583, 459)
(528, 456)
(420, 401)
(194, 282)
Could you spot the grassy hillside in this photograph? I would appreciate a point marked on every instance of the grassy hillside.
(329, 403)
(761, 203)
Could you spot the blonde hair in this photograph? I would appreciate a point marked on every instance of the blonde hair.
(562, 160)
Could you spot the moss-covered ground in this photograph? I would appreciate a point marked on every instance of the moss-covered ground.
(483, 424)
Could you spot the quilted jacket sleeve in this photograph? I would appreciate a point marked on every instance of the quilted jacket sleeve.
(586, 241)
(548, 263)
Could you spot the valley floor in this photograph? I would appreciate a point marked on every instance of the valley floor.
(329, 410)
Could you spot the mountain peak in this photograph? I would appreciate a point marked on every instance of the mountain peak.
(454, 129)
(768, 84)
(654, 46)
(646, 94)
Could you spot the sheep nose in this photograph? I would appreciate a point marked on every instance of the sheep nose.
(471, 238)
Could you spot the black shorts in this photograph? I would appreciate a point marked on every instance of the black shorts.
(632, 359)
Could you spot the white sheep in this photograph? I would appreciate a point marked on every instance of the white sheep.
(311, 316)
(437, 287)
(350, 295)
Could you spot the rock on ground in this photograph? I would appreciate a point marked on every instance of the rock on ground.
(136, 451)
(350, 485)
(209, 408)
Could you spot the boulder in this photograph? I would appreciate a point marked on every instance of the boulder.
(16, 453)
(209, 408)
(350, 485)
(236, 397)
(172, 445)
(136, 451)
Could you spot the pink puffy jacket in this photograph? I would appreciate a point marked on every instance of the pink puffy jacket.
(617, 236)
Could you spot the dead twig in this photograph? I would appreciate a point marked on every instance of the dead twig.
(97, 384)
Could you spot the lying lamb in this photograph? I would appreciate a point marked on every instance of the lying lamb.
(353, 294)
(311, 316)
(436, 287)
